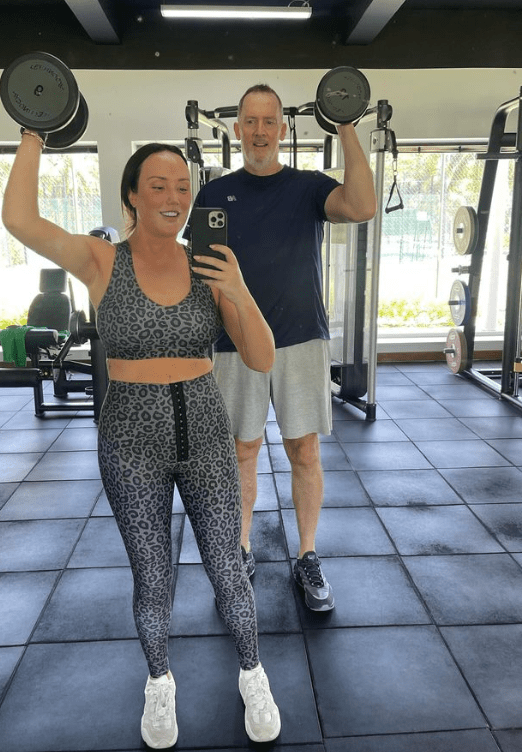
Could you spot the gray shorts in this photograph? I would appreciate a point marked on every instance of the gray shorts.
(298, 385)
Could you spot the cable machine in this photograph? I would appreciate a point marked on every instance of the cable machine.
(351, 253)
(469, 232)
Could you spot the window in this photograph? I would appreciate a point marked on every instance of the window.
(69, 195)
(309, 155)
(418, 256)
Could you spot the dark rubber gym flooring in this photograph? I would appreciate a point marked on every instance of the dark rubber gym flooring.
(420, 536)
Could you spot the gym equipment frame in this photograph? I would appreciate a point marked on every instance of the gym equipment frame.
(48, 357)
(354, 377)
(503, 382)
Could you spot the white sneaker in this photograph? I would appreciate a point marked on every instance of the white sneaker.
(159, 729)
(262, 721)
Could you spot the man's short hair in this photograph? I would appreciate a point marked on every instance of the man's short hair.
(259, 89)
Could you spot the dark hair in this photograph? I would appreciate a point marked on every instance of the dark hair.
(132, 170)
(259, 89)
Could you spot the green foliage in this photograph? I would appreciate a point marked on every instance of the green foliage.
(19, 319)
(414, 313)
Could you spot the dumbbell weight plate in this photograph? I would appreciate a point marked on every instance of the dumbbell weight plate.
(39, 92)
(323, 123)
(465, 230)
(343, 95)
(73, 131)
(460, 303)
(456, 351)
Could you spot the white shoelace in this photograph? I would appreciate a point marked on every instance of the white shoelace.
(259, 699)
(162, 697)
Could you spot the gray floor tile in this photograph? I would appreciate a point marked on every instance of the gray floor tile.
(346, 411)
(478, 408)
(6, 491)
(23, 596)
(490, 658)
(332, 458)
(89, 604)
(437, 530)
(469, 589)
(89, 713)
(65, 466)
(10, 402)
(369, 591)
(51, 499)
(359, 431)
(433, 429)
(26, 419)
(342, 532)
(390, 456)
(9, 658)
(414, 409)
(195, 612)
(386, 393)
(266, 540)
(475, 453)
(31, 440)
(510, 739)
(424, 376)
(16, 467)
(485, 485)
(6, 416)
(511, 449)
(495, 428)
(266, 493)
(357, 671)
(342, 488)
(475, 740)
(285, 662)
(392, 378)
(408, 488)
(35, 545)
(76, 439)
(504, 521)
(460, 390)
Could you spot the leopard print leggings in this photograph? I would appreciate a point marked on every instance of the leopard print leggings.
(151, 437)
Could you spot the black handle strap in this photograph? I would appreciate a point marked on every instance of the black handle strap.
(392, 146)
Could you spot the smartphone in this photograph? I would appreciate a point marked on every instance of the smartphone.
(208, 226)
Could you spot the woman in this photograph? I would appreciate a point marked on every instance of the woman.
(163, 421)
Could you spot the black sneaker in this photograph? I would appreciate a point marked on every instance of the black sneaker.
(248, 561)
(308, 574)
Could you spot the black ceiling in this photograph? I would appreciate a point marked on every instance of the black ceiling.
(132, 34)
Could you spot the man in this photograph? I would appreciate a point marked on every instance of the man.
(275, 220)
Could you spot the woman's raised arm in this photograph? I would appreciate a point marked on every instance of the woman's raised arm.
(78, 254)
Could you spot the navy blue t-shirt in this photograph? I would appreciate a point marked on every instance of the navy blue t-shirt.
(275, 229)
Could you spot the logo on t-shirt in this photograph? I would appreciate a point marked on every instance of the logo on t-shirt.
(231, 198)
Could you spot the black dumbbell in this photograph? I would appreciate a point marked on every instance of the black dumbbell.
(41, 94)
(343, 96)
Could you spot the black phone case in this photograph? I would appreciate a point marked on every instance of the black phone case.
(208, 226)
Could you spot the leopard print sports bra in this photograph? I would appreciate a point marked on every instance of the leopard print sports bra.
(132, 327)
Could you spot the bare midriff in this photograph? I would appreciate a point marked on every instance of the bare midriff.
(158, 370)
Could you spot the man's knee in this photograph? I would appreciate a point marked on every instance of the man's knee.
(248, 450)
(304, 452)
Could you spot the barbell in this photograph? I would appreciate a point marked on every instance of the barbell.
(41, 94)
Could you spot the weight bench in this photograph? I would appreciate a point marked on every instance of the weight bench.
(52, 330)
